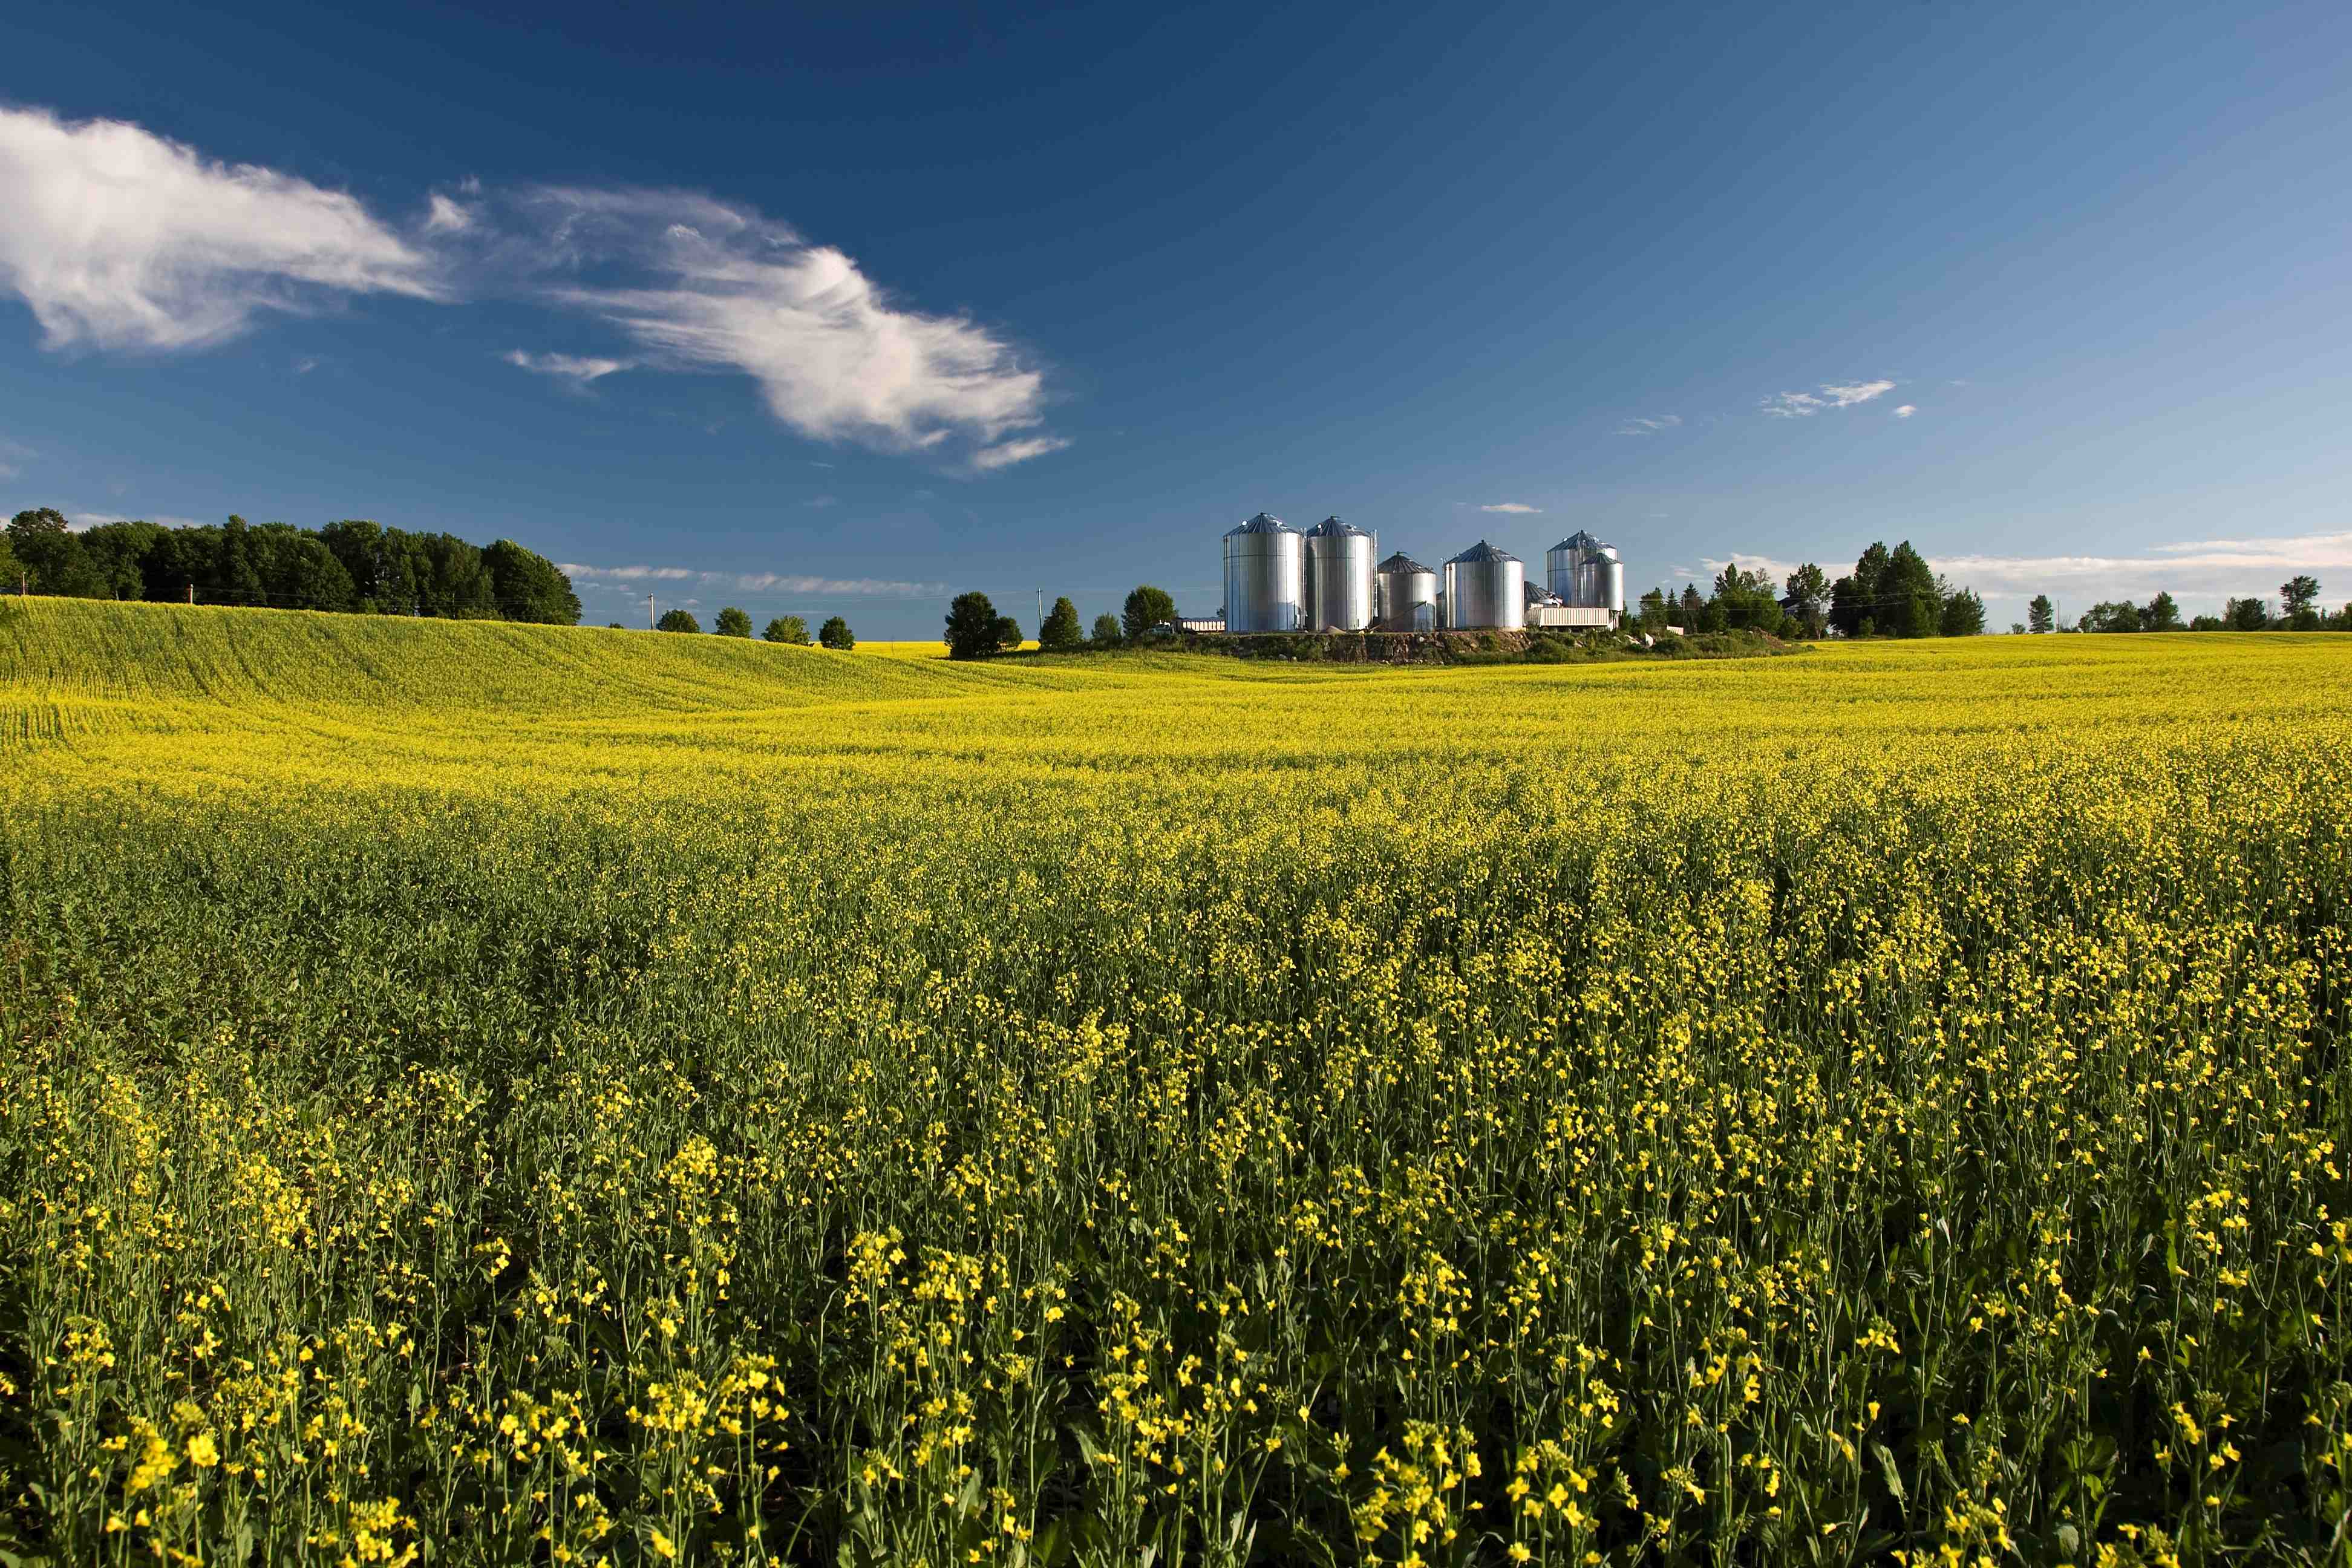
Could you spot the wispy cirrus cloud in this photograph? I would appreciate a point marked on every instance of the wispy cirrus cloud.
(1649, 426)
(1710, 567)
(574, 368)
(635, 577)
(1830, 395)
(119, 239)
(1510, 506)
(700, 285)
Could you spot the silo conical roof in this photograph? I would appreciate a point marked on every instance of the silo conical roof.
(1332, 527)
(1401, 563)
(1482, 550)
(1581, 540)
(1263, 522)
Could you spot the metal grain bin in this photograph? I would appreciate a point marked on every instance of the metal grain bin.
(1266, 576)
(1338, 577)
(1586, 573)
(1486, 589)
(1404, 595)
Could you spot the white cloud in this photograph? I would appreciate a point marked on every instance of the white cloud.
(444, 215)
(119, 239)
(703, 286)
(1906, 411)
(1004, 454)
(2205, 567)
(568, 367)
(623, 577)
(1511, 506)
(1831, 395)
(123, 240)
(1649, 426)
(1775, 570)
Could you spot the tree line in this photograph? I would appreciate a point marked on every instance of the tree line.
(975, 630)
(353, 566)
(2298, 611)
(790, 630)
(1889, 593)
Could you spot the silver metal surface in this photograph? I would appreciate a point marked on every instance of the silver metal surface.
(1486, 589)
(1266, 576)
(1586, 573)
(1404, 595)
(1338, 577)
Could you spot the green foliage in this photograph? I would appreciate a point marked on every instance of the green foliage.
(732, 621)
(2040, 616)
(2246, 615)
(789, 629)
(1964, 614)
(1808, 591)
(1008, 634)
(2162, 614)
(1147, 611)
(835, 635)
(353, 565)
(528, 586)
(2297, 594)
(1107, 633)
(1060, 632)
(678, 620)
(973, 627)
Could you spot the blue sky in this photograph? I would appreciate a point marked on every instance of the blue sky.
(847, 308)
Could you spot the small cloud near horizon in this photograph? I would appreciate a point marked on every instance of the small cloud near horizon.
(1831, 395)
(1511, 506)
(1649, 426)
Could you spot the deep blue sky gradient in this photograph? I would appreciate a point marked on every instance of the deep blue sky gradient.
(1394, 262)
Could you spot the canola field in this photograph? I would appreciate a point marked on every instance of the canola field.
(485, 1094)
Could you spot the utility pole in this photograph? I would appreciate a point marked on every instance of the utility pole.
(192, 592)
(649, 612)
(1041, 611)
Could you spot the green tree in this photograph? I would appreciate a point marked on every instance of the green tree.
(732, 623)
(1854, 598)
(2104, 616)
(791, 629)
(50, 557)
(1147, 610)
(1911, 601)
(1964, 614)
(1060, 632)
(529, 587)
(2040, 616)
(835, 635)
(1107, 633)
(1008, 634)
(2246, 615)
(1692, 610)
(2162, 615)
(1809, 595)
(678, 621)
(1656, 610)
(2296, 595)
(972, 629)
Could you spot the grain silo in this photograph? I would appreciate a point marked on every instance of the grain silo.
(1338, 577)
(1404, 595)
(1266, 576)
(1486, 590)
(1586, 573)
